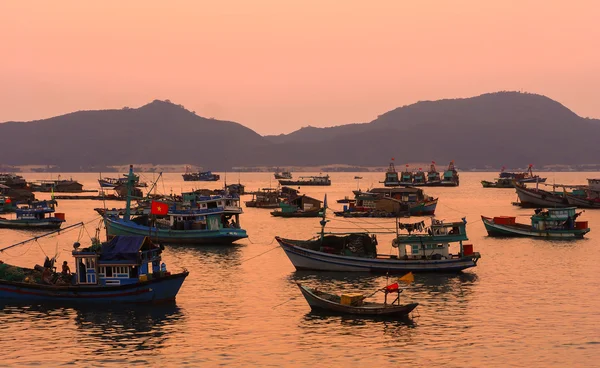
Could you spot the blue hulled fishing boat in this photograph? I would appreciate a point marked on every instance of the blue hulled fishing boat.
(201, 220)
(37, 215)
(126, 269)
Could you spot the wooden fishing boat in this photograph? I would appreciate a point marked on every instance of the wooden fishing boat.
(346, 199)
(115, 182)
(499, 183)
(265, 198)
(419, 178)
(301, 206)
(553, 223)
(420, 249)
(450, 177)
(406, 177)
(282, 174)
(433, 176)
(391, 176)
(203, 220)
(353, 304)
(535, 197)
(308, 180)
(522, 177)
(58, 186)
(585, 202)
(390, 202)
(38, 215)
(199, 176)
(122, 270)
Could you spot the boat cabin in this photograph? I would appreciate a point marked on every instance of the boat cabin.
(419, 178)
(556, 219)
(391, 176)
(122, 260)
(432, 242)
(301, 203)
(433, 175)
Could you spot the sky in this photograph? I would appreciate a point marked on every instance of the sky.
(278, 65)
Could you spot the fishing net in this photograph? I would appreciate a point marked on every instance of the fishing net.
(11, 273)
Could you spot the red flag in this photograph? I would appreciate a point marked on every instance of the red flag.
(8, 200)
(392, 288)
(159, 208)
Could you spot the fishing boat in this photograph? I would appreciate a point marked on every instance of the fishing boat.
(450, 177)
(354, 304)
(116, 182)
(499, 183)
(126, 269)
(37, 215)
(585, 196)
(420, 249)
(552, 223)
(419, 178)
(522, 177)
(282, 174)
(406, 177)
(301, 206)
(58, 186)
(391, 176)
(199, 176)
(535, 197)
(202, 220)
(265, 198)
(13, 181)
(433, 176)
(322, 180)
(390, 202)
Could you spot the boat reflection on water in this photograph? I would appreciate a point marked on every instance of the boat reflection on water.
(212, 256)
(134, 327)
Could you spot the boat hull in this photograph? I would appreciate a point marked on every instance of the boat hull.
(167, 236)
(304, 183)
(317, 303)
(48, 224)
(520, 230)
(306, 259)
(152, 291)
(582, 202)
(540, 198)
(296, 214)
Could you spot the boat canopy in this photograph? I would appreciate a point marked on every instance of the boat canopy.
(122, 248)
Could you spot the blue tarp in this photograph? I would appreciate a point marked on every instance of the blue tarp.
(122, 248)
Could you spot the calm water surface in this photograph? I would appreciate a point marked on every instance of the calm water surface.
(528, 302)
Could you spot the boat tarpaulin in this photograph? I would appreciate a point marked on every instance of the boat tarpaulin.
(122, 248)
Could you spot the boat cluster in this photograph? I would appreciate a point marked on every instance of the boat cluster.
(128, 267)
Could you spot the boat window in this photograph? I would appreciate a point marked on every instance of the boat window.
(109, 272)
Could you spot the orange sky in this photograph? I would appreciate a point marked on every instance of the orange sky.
(278, 65)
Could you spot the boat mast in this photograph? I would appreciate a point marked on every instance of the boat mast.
(130, 184)
(323, 221)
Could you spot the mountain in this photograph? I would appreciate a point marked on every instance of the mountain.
(159, 133)
(503, 128)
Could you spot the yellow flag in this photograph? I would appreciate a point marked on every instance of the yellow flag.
(408, 278)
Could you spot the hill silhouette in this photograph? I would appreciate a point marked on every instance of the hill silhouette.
(504, 128)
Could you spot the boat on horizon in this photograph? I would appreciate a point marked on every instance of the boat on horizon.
(499, 183)
(116, 182)
(319, 180)
(552, 223)
(199, 176)
(265, 198)
(282, 174)
(125, 269)
(391, 176)
(522, 177)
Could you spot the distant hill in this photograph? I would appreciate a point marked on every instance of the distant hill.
(504, 128)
